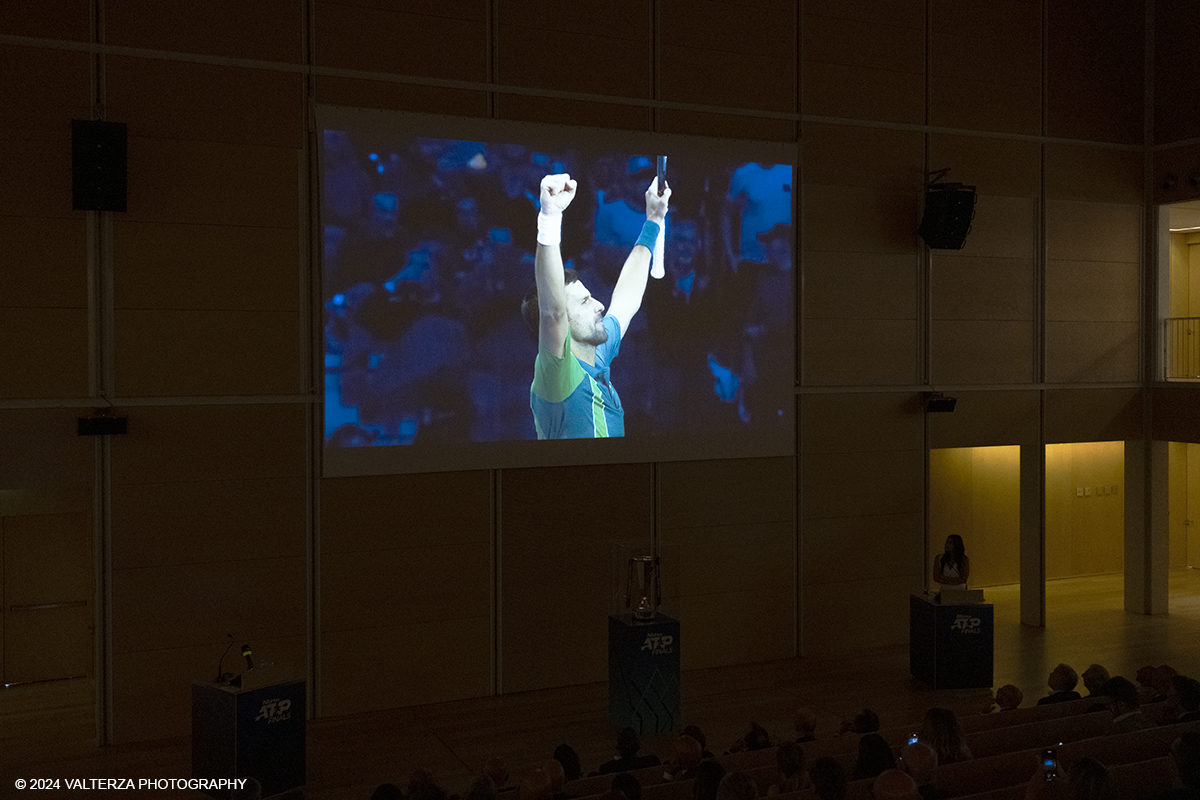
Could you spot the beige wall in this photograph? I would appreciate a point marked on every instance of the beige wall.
(976, 493)
(191, 312)
(1085, 503)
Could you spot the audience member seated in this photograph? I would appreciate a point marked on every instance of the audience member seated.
(756, 738)
(874, 756)
(558, 778)
(828, 778)
(687, 757)
(941, 731)
(1161, 682)
(707, 780)
(627, 785)
(1009, 697)
(1183, 700)
(251, 789)
(387, 791)
(1152, 683)
(1062, 682)
(1185, 769)
(495, 768)
(565, 754)
(1124, 705)
(789, 757)
(894, 784)
(806, 726)
(628, 757)
(697, 734)
(737, 786)
(482, 788)
(865, 721)
(536, 785)
(1087, 779)
(920, 761)
(422, 786)
(1094, 677)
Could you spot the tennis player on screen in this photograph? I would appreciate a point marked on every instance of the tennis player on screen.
(572, 395)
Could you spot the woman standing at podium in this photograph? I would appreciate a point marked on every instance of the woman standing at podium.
(951, 568)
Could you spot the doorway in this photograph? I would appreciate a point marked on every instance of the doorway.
(1184, 505)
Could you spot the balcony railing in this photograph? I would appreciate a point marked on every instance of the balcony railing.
(1182, 337)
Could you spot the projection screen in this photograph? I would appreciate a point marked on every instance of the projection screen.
(428, 245)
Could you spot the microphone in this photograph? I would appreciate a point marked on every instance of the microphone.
(221, 663)
(246, 653)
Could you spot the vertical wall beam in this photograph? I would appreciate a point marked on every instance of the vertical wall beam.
(797, 335)
(497, 577)
(1033, 535)
(1146, 532)
(312, 346)
(100, 386)
(1033, 457)
(1147, 529)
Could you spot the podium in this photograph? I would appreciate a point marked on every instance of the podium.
(950, 646)
(643, 673)
(249, 732)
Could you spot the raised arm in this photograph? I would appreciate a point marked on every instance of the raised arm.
(557, 192)
(631, 285)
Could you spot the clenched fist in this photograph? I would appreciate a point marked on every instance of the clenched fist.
(557, 193)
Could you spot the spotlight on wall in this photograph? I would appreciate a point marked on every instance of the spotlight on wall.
(936, 402)
(1169, 182)
(1194, 178)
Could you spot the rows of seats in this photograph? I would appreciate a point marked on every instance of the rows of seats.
(1006, 746)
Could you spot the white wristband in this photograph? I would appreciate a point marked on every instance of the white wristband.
(549, 229)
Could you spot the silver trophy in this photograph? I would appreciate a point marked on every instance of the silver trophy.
(643, 587)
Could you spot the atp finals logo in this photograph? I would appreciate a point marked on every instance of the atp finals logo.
(275, 710)
(965, 623)
(659, 644)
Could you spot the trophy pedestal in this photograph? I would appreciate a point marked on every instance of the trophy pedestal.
(643, 673)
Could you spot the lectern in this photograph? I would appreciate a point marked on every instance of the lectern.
(950, 645)
(643, 673)
(249, 732)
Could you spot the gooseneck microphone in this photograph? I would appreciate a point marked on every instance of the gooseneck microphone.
(221, 664)
(246, 653)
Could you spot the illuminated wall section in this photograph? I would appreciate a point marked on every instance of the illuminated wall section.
(1085, 509)
(975, 492)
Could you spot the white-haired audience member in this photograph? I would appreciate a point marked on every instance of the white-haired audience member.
(894, 784)
(1062, 683)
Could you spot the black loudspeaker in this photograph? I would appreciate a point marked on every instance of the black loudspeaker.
(949, 209)
(98, 165)
(936, 402)
(102, 426)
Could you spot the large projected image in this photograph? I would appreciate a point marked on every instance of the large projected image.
(662, 320)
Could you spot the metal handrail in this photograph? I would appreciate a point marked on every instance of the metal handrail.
(1181, 342)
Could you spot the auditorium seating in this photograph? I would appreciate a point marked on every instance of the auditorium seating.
(1006, 756)
(1035, 713)
(1046, 733)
